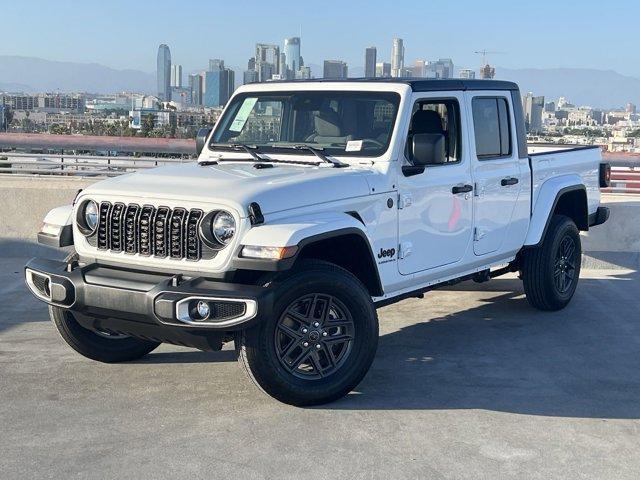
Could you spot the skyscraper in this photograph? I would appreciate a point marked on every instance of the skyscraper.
(176, 75)
(292, 56)
(216, 64)
(219, 85)
(335, 69)
(442, 68)
(282, 67)
(267, 61)
(419, 68)
(487, 72)
(196, 85)
(383, 69)
(467, 73)
(533, 108)
(164, 73)
(447, 67)
(304, 73)
(397, 57)
(370, 55)
(249, 76)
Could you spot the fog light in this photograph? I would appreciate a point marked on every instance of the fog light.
(203, 310)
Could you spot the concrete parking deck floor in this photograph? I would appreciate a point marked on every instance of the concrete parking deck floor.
(468, 383)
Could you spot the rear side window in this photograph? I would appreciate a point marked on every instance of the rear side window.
(491, 125)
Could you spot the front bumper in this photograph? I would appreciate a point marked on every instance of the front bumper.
(136, 302)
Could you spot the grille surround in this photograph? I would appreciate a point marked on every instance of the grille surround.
(150, 231)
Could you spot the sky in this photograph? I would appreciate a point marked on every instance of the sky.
(125, 34)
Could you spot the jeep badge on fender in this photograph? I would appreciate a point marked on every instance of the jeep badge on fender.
(387, 253)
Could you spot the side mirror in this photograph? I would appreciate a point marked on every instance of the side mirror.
(428, 149)
(201, 139)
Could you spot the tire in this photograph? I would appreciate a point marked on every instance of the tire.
(274, 355)
(551, 271)
(103, 347)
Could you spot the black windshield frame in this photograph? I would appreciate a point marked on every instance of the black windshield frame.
(222, 126)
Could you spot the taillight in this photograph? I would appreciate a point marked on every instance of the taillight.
(605, 175)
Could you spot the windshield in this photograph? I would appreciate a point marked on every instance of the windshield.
(339, 123)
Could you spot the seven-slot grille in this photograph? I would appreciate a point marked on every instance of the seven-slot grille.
(148, 230)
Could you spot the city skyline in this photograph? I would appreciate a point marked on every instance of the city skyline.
(543, 38)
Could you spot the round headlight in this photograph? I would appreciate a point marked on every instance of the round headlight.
(87, 217)
(223, 227)
(91, 215)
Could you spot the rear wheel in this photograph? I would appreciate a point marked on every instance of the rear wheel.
(551, 271)
(319, 342)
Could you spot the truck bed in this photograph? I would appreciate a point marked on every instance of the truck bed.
(557, 162)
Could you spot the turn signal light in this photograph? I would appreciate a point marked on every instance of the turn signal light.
(268, 253)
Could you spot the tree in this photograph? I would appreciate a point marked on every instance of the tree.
(27, 124)
(634, 134)
(8, 118)
(148, 123)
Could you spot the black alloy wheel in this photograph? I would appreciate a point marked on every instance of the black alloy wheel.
(314, 336)
(318, 341)
(565, 265)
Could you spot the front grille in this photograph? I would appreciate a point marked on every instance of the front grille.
(150, 231)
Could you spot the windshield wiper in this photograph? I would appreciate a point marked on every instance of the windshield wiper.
(240, 146)
(317, 152)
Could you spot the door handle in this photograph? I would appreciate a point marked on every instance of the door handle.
(461, 189)
(508, 181)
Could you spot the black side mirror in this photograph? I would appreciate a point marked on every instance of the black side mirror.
(428, 149)
(201, 138)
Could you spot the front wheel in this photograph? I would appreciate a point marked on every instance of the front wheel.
(103, 346)
(551, 271)
(320, 341)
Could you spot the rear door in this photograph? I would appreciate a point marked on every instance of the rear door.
(499, 175)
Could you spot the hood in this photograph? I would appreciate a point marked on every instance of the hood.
(282, 187)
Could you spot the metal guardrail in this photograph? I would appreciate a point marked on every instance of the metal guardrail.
(623, 179)
(78, 165)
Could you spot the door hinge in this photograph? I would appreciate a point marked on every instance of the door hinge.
(479, 233)
(404, 250)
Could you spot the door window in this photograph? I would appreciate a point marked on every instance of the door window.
(439, 117)
(491, 126)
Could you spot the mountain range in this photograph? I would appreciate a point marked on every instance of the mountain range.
(38, 75)
(598, 88)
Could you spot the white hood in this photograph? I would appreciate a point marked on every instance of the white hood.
(282, 187)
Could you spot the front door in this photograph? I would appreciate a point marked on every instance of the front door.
(497, 172)
(435, 206)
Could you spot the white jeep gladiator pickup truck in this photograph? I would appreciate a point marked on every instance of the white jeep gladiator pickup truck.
(312, 204)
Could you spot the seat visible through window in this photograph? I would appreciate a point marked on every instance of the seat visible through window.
(438, 117)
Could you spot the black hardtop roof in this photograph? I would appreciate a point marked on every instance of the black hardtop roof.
(422, 84)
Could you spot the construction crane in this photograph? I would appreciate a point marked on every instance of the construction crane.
(484, 54)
